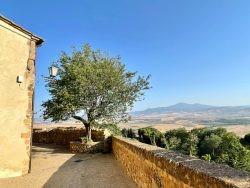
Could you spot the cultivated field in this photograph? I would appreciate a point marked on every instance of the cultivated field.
(238, 125)
(240, 130)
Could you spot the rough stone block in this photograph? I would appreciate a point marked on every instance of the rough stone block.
(78, 147)
(32, 50)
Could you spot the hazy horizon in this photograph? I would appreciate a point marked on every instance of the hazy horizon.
(194, 104)
(179, 103)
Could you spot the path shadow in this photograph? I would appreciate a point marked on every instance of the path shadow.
(83, 170)
(53, 148)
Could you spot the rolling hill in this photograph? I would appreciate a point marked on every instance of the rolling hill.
(194, 108)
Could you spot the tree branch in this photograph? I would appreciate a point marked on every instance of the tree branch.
(80, 119)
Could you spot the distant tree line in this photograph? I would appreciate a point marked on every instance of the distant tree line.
(209, 144)
(226, 122)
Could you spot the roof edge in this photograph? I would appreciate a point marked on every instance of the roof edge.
(38, 39)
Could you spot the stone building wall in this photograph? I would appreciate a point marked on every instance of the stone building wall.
(17, 57)
(151, 166)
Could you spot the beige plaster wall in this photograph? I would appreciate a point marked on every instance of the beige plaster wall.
(16, 52)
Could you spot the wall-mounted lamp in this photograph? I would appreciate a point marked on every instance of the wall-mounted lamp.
(53, 70)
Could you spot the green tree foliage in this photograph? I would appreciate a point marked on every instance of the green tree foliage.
(92, 87)
(246, 140)
(182, 140)
(189, 147)
(232, 152)
(163, 142)
(179, 133)
(206, 157)
(209, 144)
(174, 143)
(124, 132)
(113, 128)
(152, 136)
(129, 133)
(201, 132)
(219, 132)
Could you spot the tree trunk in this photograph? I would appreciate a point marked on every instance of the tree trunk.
(88, 132)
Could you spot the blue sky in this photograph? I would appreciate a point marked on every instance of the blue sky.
(196, 51)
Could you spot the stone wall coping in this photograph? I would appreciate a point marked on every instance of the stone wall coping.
(91, 143)
(66, 129)
(163, 159)
(75, 142)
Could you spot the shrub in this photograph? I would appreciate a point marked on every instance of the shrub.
(85, 140)
(206, 157)
(246, 140)
(129, 133)
(152, 136)
(113, 128)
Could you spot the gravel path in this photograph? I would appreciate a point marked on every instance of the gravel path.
(55, 167)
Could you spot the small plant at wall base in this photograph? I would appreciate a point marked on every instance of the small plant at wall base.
(92, 87)
(85, 140)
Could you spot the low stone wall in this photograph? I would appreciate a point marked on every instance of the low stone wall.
(151, 166)
(63, 136)
(94, 147)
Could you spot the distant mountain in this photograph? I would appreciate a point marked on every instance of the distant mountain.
(185, 107)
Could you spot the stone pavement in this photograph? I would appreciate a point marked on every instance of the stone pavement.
(56, 167)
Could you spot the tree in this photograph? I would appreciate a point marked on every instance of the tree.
(201, 132)
(232, 152)
(92, 87)
(129, 133)
(174, 143)
(219, 132)
(178, 139)
(151, 136)
(210, 144)
(125, 132)
(246, 140)
(113, 128)
(179, 133)
(163, 142)
(189, 147)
